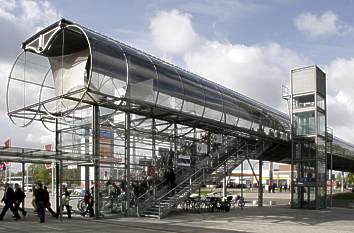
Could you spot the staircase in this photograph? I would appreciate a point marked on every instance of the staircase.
(161, 201)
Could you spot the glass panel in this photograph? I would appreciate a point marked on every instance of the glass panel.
(213, 101)
(24, 86)
(109, 68)
(231, 120)
(321, 102)
(142, 76)
(303, 80)
(304, 101)
(321, 124)
(69, 68)
(170, 86)
(244, 123)
(305, 123)
(193, 94)
(255, 126)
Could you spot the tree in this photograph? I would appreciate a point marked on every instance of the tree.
(71, 176)
(350, 178)
(40, 174)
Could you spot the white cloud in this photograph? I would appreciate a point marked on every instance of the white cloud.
(40, 139)
(18, 20)
(341, 104)
(326, 24)
(32, 14)
(243, 68)
(259, 70)
(172, 32)
(4, 73)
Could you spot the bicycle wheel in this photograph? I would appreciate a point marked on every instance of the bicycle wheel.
(81, 206)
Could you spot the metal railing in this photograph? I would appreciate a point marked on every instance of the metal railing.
(231, 154)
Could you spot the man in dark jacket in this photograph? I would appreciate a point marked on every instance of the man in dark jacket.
(9, 200)
(19, 198)
(40, 202)
(47, 203)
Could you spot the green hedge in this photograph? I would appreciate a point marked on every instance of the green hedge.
(344, 196)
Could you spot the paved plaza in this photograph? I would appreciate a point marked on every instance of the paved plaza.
(251, 219)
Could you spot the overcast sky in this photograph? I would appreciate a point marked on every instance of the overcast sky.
(249, 46)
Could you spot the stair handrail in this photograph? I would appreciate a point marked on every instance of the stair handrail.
(151, 189)
(180, 184)
(178, 197)
(226, 156)
(240, 158)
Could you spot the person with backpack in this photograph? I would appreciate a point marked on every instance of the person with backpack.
(19, 198)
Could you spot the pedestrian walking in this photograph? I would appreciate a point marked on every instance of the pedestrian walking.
(9, 200)
(285, 187)
(40, 202)
(88, 199)
(34, 191)
(66, 200)
(48, 204)
(19, 199)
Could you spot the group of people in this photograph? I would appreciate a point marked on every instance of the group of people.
(13, 200)
(273, 186)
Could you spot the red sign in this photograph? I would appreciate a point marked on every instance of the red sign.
(48, 147)
(7, 143)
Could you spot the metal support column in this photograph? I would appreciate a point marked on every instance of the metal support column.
(58, 182)
(331, 174)
(242, 178)
(23, 182)
(224, 185)
(175, 134)
(61, 189)
(342, 182)
(154, 158)
(96, 157)
(260, 185)
(87, 167)
(271, 182)
(127, 162)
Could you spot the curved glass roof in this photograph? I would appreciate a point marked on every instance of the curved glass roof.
(67, 64)
(88, 66)
(163, 85)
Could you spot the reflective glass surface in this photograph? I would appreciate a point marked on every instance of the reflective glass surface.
(109, 68)
(142, 76)
(170, 88)
(193, 94)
